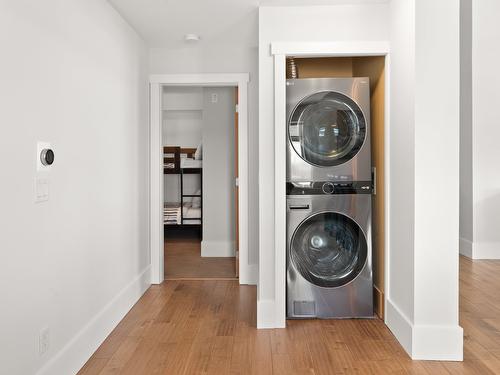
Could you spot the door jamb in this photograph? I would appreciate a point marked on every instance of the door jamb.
(156, 235)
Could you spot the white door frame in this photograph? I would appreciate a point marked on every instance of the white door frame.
(280, 50)
(156, 83)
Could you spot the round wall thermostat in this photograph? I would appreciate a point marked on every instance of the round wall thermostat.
(47, 156)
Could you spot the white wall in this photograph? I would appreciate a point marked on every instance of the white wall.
(399, 286)
(224, 58)
(485, 132)
(182, 116)
(280, 24)
(72, 73)
(466, 176)
(436, 333)
(422, 294)
(218, 173)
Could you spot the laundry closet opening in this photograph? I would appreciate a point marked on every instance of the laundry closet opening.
(200, 197)
(311, 143)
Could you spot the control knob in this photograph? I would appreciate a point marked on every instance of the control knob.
(328, 188)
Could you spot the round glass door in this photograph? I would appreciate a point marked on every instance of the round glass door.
(327, 129)
(328, 249)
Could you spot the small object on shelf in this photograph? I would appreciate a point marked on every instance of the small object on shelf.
(291, 68)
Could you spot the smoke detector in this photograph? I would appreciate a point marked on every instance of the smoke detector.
(191, 38)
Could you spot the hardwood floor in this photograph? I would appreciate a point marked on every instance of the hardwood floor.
(183, 261)
(208, 327)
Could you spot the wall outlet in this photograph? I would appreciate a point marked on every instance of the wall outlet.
(215, 98)
(43, 341)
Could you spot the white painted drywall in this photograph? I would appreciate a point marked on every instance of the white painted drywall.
(182, 126)
(72, 73)
(212, 57)
(400, 286)
(422, 285)
(436, 333)
(352, 23)
(485, 129)
(218, 173)
(466, 159)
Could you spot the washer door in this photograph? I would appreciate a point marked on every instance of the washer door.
(328, 249)
(327, 129)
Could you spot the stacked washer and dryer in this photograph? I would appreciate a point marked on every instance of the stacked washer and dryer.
(329, 187)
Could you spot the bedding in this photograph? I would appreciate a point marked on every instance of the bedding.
(191, 163)
(196, 202)
(172, 214)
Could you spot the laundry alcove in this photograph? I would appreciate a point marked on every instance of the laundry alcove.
(372, 67)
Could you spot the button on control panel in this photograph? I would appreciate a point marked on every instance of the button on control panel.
(328, 188)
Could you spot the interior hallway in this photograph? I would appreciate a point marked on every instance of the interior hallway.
(189, 327)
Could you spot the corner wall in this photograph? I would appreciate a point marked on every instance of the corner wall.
(485, 131)
(72, 73)
(422, 304)
(466, 134)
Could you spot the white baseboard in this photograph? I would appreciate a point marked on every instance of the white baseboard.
(422, 342)
(266, 314)
(465, 248)
(486, 250)
(399, 325)
(217, 248)
(438, 343)
(71, 358)
(251, 276)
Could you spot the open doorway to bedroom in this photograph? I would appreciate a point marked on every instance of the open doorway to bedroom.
(200, 197)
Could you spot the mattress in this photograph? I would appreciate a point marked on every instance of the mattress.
(191, 163)
(172, 214)
(190, 212)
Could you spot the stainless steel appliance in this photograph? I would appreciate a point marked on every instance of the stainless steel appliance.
(329, 252)
(328, 129)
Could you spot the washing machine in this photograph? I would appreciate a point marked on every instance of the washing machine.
(328, 122)
(329, 251)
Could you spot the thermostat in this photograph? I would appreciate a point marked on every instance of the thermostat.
(47, 156)
(44, 156)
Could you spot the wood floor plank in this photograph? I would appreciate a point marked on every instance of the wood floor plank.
(183, 260)
(208, 327)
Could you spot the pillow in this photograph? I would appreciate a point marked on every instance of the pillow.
(196, 202)
(198, 155)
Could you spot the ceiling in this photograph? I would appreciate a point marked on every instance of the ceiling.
(163, 23)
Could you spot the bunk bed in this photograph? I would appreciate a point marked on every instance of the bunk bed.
(188, 213)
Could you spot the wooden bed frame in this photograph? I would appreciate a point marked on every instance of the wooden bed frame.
(172, 154)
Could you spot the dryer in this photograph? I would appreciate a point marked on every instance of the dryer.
(329, 251)
(328, 122)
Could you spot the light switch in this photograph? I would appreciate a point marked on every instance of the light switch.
(41, 189)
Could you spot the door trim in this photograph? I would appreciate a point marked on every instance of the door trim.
(272, 314)
(156, 240)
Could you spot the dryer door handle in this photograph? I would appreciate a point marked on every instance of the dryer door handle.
(298, 207)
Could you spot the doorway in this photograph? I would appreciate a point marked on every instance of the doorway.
(195, 241)
(199, 178)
